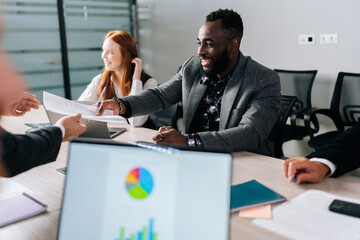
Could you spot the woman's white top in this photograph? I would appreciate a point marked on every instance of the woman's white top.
(90, 94)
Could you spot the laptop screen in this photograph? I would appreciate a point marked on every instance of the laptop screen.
(124, 192)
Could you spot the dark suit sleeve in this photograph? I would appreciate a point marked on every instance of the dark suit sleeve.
(22, 152)
(343, 151)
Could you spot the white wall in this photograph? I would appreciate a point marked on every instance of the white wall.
(271, 29)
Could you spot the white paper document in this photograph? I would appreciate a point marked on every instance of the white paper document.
(10, 188)
(307, 217)
(67, 107)
(18, 208)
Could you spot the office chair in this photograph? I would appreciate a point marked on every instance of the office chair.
(275, 136)
(344, 109)
(166, 117)
(299, 84)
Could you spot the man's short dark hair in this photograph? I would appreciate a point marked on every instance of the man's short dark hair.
(231, 21)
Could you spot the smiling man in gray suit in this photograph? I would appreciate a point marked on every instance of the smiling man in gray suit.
(230, 102)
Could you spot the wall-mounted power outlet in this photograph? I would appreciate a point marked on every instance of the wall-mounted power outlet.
(307, 39)
(328, 38)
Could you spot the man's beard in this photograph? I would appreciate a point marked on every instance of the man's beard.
(218, 66)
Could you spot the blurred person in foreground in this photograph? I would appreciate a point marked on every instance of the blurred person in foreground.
(21, 152)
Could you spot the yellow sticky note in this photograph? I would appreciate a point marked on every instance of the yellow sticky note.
(257, 212)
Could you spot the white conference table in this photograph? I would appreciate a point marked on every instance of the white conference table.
(47, 185)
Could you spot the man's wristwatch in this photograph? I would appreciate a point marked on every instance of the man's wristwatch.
(191, 140)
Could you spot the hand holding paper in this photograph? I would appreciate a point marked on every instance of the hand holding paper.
(67, 107)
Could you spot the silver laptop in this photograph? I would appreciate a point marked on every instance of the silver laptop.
(120, 192)
(95, 129)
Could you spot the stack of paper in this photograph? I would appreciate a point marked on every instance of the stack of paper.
(307, 217)
(67, 107)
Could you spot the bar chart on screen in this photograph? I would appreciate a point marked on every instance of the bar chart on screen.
(139, 202)
(145, 233)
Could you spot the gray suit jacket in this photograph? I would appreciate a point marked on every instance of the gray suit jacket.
(249, 107)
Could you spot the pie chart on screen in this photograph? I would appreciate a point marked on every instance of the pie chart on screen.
(139, 183)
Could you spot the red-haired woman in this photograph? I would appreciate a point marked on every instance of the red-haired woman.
(123, 74)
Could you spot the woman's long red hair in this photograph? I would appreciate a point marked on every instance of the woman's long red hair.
(128, 51)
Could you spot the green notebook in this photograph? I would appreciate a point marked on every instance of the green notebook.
(252, 194)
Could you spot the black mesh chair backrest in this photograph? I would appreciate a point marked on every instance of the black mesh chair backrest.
(299, 84)
(275, 136)
(287, 102)
(346, 98)
(166, 117)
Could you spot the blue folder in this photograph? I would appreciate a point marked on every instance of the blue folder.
(252, 194)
